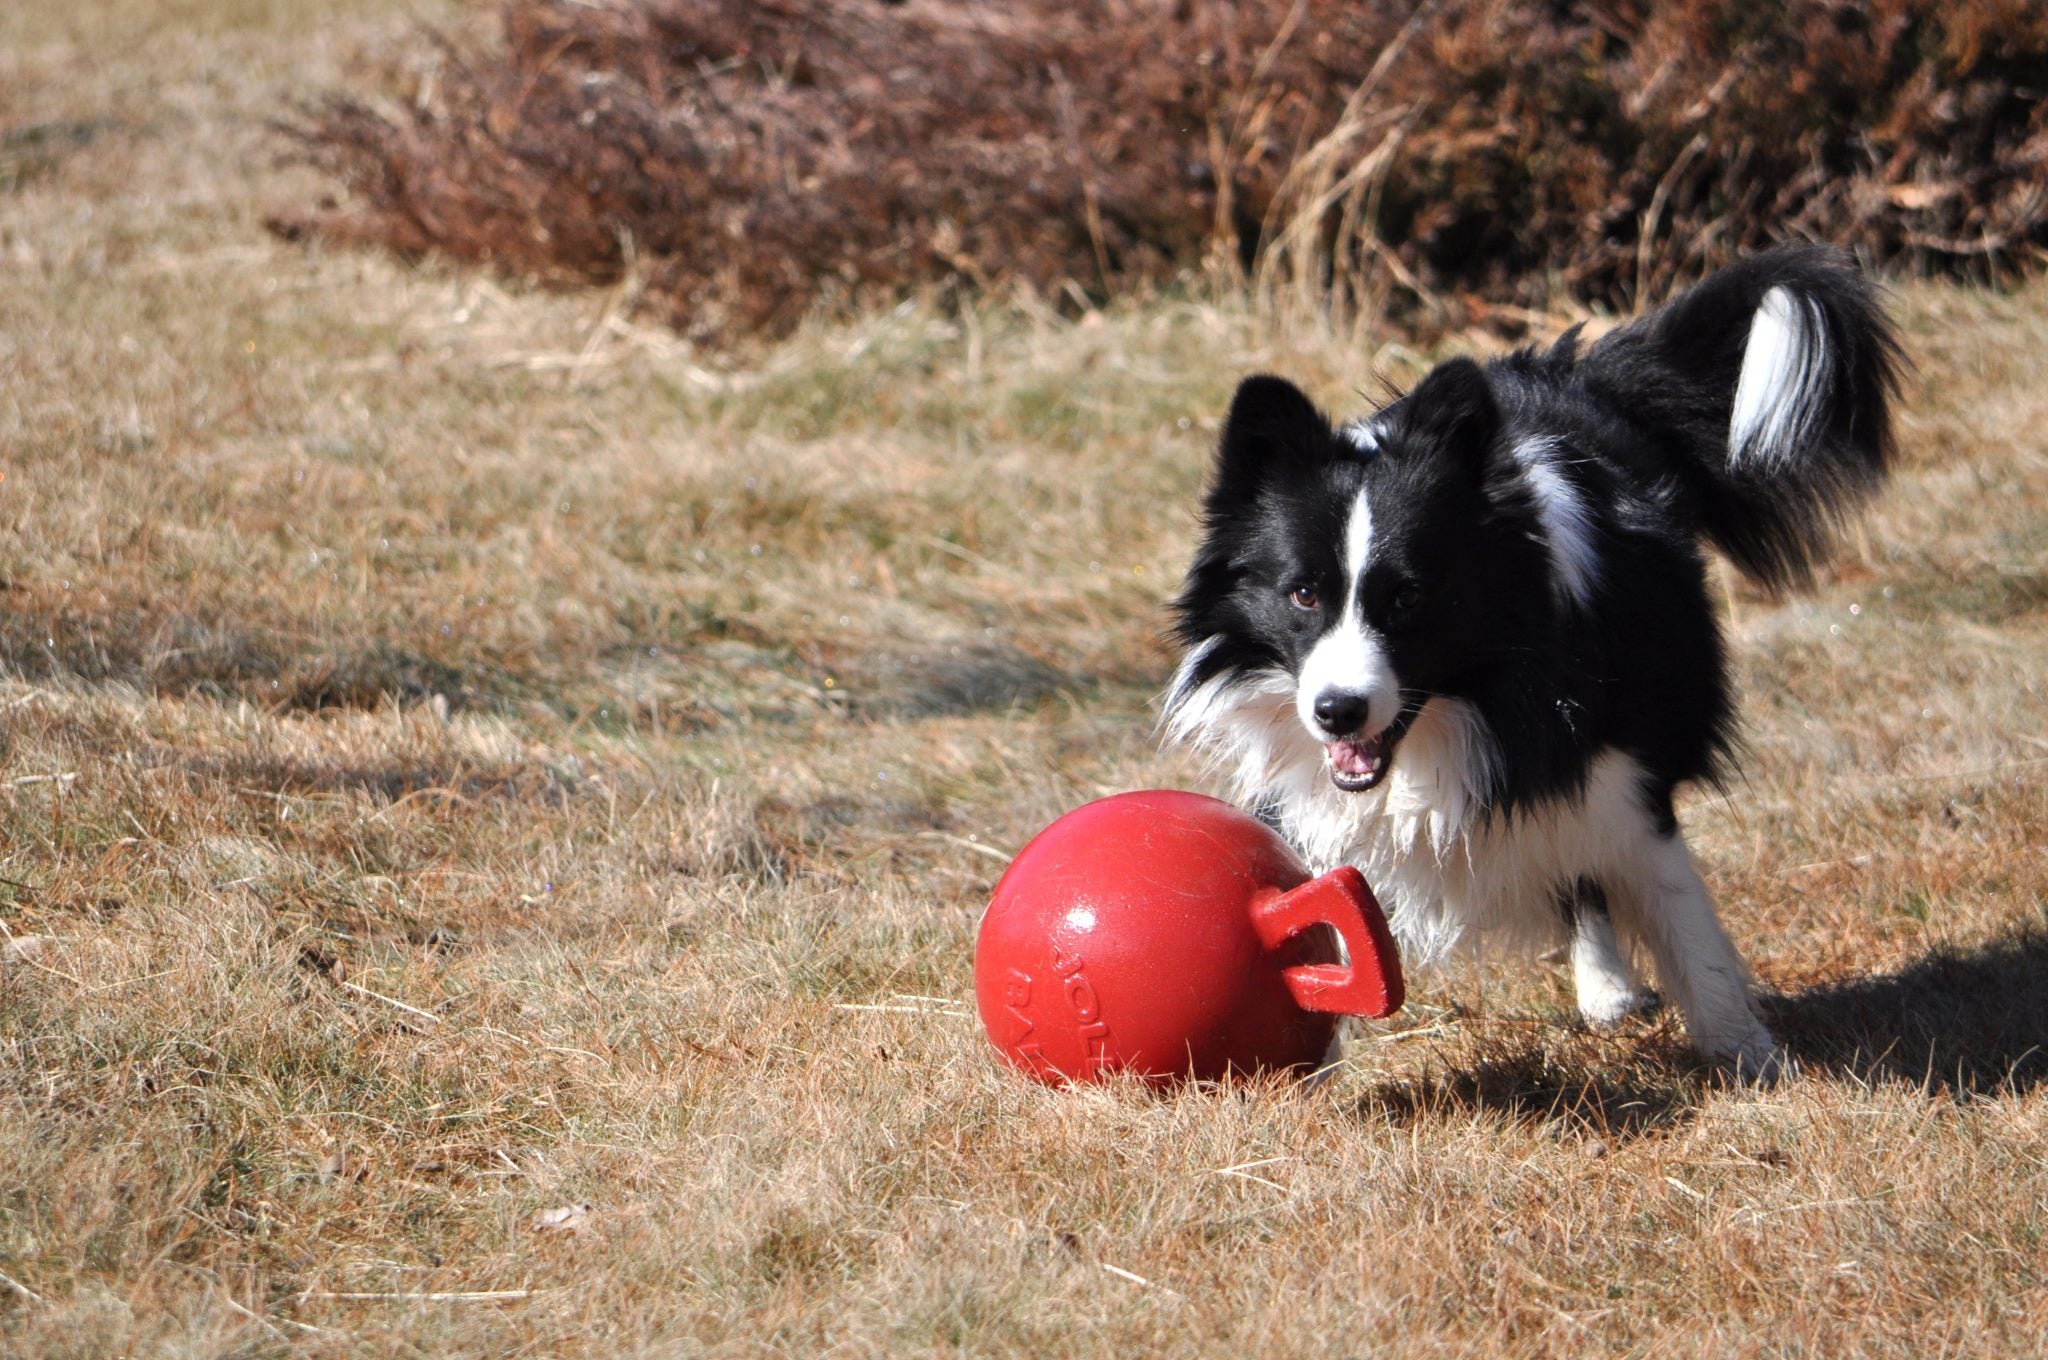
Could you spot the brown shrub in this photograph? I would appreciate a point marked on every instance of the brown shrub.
(754, 158)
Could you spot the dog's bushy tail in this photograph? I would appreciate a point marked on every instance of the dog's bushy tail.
(1771, 381)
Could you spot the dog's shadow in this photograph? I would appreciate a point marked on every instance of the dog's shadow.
(1964, 1023)
(1969, 1022)
(1528, 1088)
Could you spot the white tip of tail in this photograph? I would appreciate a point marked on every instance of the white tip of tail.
(1783, 382)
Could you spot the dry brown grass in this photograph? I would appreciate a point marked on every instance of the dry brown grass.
(463, 759)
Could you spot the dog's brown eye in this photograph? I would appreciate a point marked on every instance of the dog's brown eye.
(1406, 597)
(1304, 597)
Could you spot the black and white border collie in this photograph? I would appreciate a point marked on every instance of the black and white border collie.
(1466, 642)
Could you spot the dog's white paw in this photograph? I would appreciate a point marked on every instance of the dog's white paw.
(1753, 1057)
(1609, 1008)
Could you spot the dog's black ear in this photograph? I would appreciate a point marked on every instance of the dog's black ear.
(1452, 413)
(1271, 425)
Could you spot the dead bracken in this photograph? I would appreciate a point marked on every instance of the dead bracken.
(746, 161)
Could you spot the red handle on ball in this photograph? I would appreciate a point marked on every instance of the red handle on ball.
(1370, 984)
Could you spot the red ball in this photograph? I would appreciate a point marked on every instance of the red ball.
(1156, 933)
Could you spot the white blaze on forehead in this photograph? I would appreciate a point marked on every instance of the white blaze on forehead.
(1348, 657)
(1568, 529)
(1783, 380)
(1357, 546)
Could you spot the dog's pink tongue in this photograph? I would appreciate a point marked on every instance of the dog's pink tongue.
(1355, 758)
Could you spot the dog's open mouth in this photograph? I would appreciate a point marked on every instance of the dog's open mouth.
(1359, 764)
(1356, 766)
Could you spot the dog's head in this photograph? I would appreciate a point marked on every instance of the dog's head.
(1356, 572)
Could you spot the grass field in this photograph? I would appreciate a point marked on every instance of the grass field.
(494, 809)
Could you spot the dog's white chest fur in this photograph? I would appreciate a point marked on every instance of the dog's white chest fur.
(1441, 868)
(1444, 872)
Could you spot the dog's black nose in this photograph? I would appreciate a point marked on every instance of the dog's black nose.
(1342, 711)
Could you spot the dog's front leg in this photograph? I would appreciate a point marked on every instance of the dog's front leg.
(1665, 905)
(1607, 988)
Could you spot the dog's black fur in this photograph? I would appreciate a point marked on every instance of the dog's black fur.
(1525, 541)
